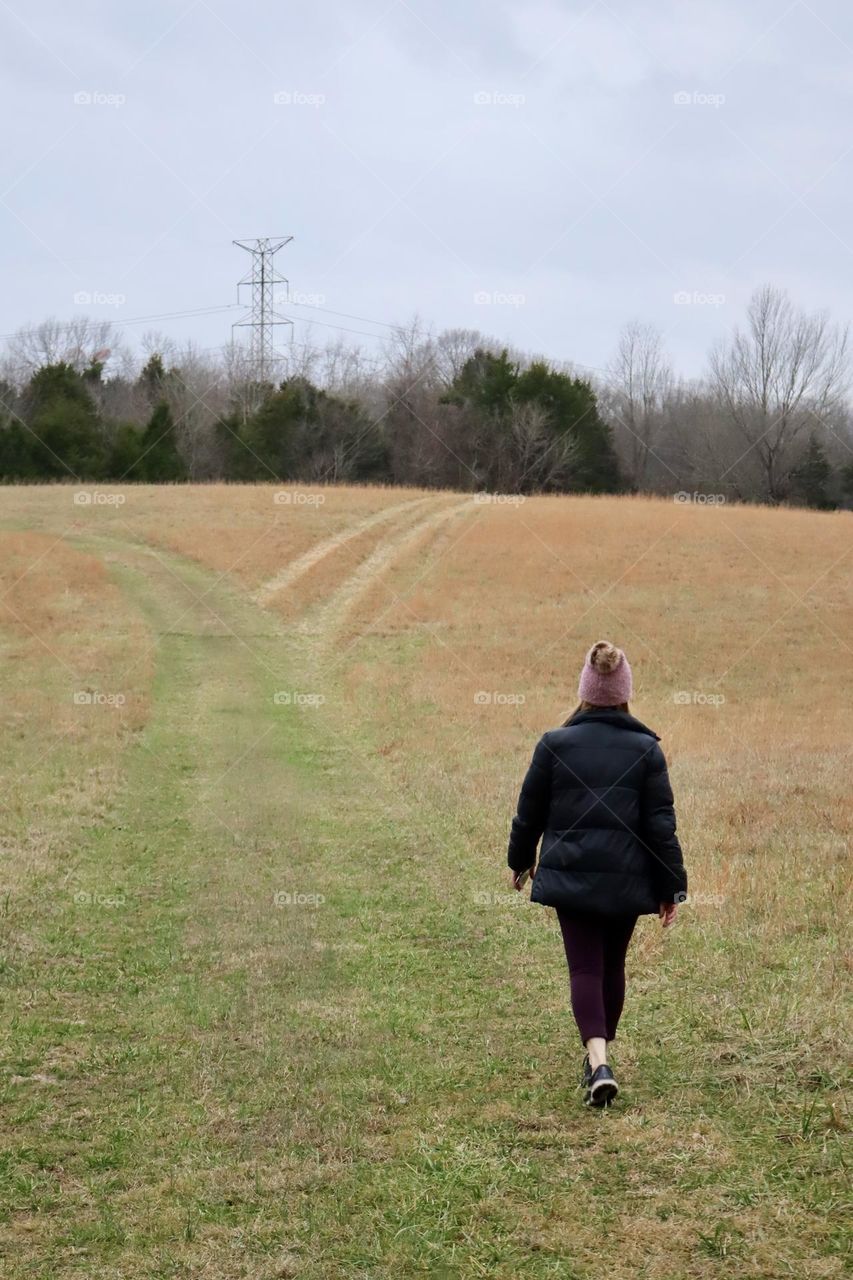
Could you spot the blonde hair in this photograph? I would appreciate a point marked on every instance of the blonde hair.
(590, 706)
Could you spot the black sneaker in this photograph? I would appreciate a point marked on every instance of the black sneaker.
(587, 1072)
(602, 1087)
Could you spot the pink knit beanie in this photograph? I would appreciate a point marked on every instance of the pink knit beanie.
(606, 677)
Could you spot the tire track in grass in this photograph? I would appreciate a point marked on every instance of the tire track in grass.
(291, 573)
(324, 624)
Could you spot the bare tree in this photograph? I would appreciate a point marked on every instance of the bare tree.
(300, 359)
(198, 394)
(74, 342)
(778, 380)
(153, 342)
(409, 355)
(541, 458)
(243, 394)
(699, 448)
(640, 380)
(346, 370)
(454, 347)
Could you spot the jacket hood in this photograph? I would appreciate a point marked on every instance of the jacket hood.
(612, 715)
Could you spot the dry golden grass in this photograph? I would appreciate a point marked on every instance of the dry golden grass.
(247, 531)
(750, 606)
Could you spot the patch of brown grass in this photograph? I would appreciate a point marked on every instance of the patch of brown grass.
(75, 675)
(245, 531)
(746, 611)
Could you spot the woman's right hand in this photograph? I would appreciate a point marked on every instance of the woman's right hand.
(667, 911)
(514, 875)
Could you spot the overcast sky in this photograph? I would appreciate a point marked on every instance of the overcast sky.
(540, 171)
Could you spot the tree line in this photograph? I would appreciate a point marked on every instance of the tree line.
(769, 422)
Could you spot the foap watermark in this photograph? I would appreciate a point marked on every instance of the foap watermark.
(700, 899)
(499, 499)
(497, 98)
(96, 298)
(701, 499)
(98, 98)
(297, 498)
(298, 98)
(483, 898)
(497, 698)
(495, 298)
(97, 498)
(695, 298)
(697, 698)
(97, 698)
(695, 98)
(298, 698)
(84, 898)
(300, 299)
(286, 898)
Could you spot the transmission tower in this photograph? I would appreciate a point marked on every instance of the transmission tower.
(263, 317)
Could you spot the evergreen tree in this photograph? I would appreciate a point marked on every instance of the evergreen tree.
(160, 459)
(302, 433)
(124, 452)
(573, 410)
(64, 420)
(494, 389)
(271, 434)
(17, 460)
(810, 478)
(152, 378)
(846, 475)
(236, 461)
(486, 382)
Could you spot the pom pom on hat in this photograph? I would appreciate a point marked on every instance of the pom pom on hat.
(606, 676)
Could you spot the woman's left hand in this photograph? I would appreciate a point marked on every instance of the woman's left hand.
(667, 911)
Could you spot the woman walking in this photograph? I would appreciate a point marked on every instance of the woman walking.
(598, 795)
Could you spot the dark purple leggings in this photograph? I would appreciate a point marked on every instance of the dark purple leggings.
(596, 947)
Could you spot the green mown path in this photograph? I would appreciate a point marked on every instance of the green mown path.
(258, 1027)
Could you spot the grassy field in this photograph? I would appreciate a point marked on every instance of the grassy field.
(269, 1009)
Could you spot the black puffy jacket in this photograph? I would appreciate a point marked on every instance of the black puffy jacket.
(597, 792)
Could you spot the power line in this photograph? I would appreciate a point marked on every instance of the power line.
(384, 323)
(344, 329)
(120, 324)
(198, 312)
(316, 307)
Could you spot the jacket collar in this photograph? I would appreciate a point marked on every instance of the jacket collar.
(621, 719)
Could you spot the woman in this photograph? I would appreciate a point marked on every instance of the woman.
(598, 791)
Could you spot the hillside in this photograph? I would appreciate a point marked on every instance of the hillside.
(274, 1010)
